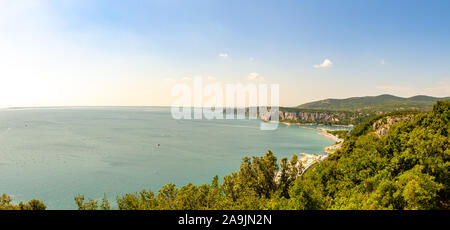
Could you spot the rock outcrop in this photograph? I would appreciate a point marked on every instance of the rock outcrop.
(381, 126)
(305, 116)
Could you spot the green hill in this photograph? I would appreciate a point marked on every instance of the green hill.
(382, 103)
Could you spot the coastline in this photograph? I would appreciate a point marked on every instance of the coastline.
(323, 132)
(308, 124)
(331, 137)
(308, 160)
(328, 149)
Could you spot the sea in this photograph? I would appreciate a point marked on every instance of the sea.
(54, 154)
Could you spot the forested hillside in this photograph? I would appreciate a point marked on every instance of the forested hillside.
(352, 111)
(408, 168)
(371, 104)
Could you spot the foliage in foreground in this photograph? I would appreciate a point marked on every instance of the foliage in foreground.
(6, 204)
(374, 104)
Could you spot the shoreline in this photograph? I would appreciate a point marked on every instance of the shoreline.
(331, 137)
(323, 132)
(308, 124)
(299, 123)
(309, 160)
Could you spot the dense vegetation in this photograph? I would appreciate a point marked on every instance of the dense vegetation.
(6, 204)
(353, 111)
(405, 169)
(382, 103)
(408, 168)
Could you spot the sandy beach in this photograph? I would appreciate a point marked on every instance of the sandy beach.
(331, 136)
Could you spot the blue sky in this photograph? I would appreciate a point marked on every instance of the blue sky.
(111, 52)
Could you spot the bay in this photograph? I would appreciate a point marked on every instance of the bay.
(53, 154)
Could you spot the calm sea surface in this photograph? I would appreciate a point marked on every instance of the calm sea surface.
(56, 153)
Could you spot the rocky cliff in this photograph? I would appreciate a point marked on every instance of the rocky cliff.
(318, 117)
(310, 116)
(381, 126)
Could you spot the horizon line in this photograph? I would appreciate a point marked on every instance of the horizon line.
(111, 106)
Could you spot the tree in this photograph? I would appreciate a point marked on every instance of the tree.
(418, 190)
(33, 205)
(85, 205)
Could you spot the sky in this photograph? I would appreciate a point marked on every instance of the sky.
(132, 53)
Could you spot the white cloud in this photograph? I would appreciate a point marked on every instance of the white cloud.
(224, 55)
(255, 77)
(251, 59)
(325, 64)
(382, 62)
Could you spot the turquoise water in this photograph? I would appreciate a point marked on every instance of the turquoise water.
(53, 154)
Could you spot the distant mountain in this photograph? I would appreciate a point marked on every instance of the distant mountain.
(375, 104)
